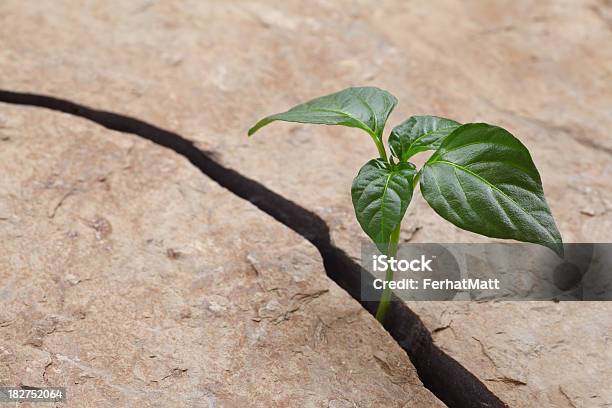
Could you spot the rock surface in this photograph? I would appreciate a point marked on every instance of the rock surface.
(532, 354)
(209, 70)
(133, 280)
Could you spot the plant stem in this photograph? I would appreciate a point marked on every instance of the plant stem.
(385, 299)
(380, 146)
(416, 180)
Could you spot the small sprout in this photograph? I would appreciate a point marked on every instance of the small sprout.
(480, 177)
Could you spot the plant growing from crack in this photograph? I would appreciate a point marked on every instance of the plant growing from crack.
(480, 177)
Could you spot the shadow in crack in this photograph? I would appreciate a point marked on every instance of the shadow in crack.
(440, 373)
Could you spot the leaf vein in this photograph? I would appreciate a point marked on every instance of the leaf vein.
(366, 127)
(499, 191)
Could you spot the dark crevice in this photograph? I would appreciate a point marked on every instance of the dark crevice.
(441, 374)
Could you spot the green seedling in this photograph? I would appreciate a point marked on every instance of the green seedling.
(480, 177)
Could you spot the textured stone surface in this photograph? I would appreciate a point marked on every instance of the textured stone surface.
(131, 279)
(533, 354)
(208, 70)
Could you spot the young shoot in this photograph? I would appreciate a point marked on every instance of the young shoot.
(480, 177)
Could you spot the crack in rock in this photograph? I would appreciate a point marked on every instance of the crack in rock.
(441, 374)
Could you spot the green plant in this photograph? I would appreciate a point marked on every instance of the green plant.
(480, 177)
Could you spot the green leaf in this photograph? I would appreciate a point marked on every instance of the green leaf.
(381, 193)
(419, 133)
(366, 108)
(483, 180)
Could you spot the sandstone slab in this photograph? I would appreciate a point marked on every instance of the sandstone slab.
(530, 353)
(132, 280)
(209, 70)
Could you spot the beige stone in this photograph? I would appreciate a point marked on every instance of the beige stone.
(209, 70)
(530, 353)
(133, 280)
